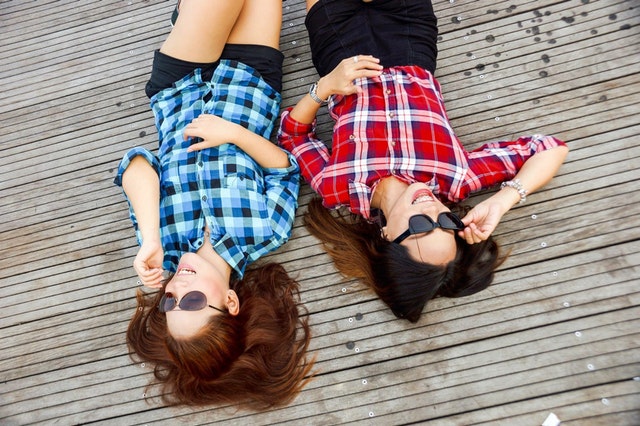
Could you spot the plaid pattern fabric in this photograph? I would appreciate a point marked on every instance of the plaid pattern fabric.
(249, 210)
(398, 126)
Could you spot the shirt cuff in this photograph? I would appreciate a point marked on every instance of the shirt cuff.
(129, 156)
(292, 127)
(293, 166)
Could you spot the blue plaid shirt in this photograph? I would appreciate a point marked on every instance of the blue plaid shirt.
(249, 209)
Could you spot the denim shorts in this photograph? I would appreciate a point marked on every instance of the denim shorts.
(266, 60)
(398, 32)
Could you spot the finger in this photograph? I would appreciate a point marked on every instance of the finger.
(155, 274)
(481, 234)
(484, 235)
(369, 58)
(197, 147)
(351, 89)
(155, 282)
(360, 58)
(468, 235)
(369, 64)
(473, 234)
(191, 131)
(152, 283)
(367, 73)
(468, 218)
(143, 270)
(139, 267)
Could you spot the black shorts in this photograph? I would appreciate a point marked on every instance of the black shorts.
(398, 32)
(264, 59)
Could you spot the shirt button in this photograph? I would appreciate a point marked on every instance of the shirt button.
(352, 137)
(388, 92)
(393, 143)
(200, 163)
(204, 198)
(391, 115)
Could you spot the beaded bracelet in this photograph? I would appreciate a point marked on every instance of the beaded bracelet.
(515, 184)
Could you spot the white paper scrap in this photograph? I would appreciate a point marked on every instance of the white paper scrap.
(552, 420)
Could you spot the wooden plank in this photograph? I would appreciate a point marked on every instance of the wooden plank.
(491, 311)
(380, 372)
(509, 354)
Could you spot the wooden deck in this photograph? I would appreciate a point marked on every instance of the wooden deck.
(558, 332)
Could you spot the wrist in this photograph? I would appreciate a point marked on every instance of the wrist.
(517, 186)
(235, 133)
(507, 198)
(150, 235)
(322, 91)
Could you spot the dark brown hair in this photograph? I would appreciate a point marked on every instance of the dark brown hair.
(254, 360)
(404, 284)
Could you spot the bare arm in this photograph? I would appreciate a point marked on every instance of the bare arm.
(142, 187)
(215, 131)
(337, 82)
(536, 172)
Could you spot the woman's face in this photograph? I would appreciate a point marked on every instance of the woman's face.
(437, 247)
(196, 273)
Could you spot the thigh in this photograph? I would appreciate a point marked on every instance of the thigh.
(202, 29)
(259, 23)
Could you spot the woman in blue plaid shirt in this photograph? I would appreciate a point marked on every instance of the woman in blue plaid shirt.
(217, 196)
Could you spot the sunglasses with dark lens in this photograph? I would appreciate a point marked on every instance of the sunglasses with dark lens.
(192, 301)
(421, 223)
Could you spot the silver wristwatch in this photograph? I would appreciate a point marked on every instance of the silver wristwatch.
(313, 92)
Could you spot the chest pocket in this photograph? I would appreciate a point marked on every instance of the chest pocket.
(240, 171)
(240, 182)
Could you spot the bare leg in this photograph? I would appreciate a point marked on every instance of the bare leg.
(202, 29)
(260, 22)
(205, 26)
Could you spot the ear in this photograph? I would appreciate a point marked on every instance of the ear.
(233, 303)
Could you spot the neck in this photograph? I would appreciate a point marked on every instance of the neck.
(387, 193)
(210, 255)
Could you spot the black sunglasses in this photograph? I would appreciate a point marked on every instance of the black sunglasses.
(192, 301)
(420, 223)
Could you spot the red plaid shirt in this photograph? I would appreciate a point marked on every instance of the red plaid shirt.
(397, 126)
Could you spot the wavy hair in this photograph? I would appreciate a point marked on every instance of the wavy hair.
(404, 284)
(255, 360)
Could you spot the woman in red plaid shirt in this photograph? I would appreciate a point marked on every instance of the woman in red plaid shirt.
(395, 161)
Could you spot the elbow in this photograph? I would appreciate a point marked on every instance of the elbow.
(563, 151)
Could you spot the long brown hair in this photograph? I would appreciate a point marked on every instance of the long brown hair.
(404, 284)
(255, 360)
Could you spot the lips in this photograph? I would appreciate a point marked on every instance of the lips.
(422, 196)
(184, 269)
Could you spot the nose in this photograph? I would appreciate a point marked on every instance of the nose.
(432, 210)
(177, 285)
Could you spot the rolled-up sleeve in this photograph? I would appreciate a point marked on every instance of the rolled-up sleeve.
(496, 162)
(282, 187)
(300, 140)
(129, 156)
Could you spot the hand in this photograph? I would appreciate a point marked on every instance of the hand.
(481, 221)
(213, 130)
(340, 80)
(148, 263)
